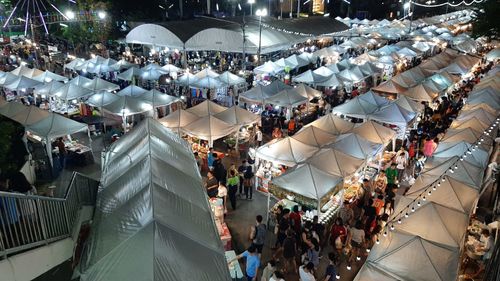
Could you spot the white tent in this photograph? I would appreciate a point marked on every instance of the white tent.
(310, 77)
(208, 83)
(26, 71)
(122, 64)
(206, 108)
(101, 99)
(285, 64)
(80, 81)
(408, 104)
(314, 136)
(157, 98)
(236, 115)
(24, 115)
(468, 135)
(74, 63)
(443, 225)
(178, 119)
(462, 171)
(393, 114)
(297, 61)
(209, 128)
(451, 193)
(287, 151)
(374, 132)
(390, 87)
(134, 237)
(484, 106)
(332, 124)
(336, 162)
(406, 52)
(125, 105)
(186, 79)
(98, 84)
(287, 98)
(131, 91)
(491, 99)
(402, 256)
(352, 75)
(259, 93)
(356, 146)
(70, 92)
(22, 83)
(231, 79)
(171, 68)
(7, 78)
(308, 181)
(369, 68)
(356, 108)
(268, 67)
(129, 74)
(493, 54)
(152, 72)
(420, 93)
(207, 72)
(473, 123)
(324, 71)
(48, 76)
(480, 114)
(47, 88)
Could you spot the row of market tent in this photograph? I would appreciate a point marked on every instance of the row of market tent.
(443, 198)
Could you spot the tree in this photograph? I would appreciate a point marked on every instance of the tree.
(92, 30)
(487, 21)
(12, 149)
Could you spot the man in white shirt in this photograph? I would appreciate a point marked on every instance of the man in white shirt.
(306, 272)
(258, 136)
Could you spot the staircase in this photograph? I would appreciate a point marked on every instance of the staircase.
(30, 223)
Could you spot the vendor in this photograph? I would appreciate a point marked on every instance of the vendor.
(487, 244)
(212, 185)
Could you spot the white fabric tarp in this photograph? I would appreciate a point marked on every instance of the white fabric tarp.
(22, 83)
(178, 119)
(131, 91)
(208, 83)
(236, 115)
(356, 146)
(314, 136)
(48, 76)
(308, 181)
(26, 71)
(336, 162)
(311, 77)
(101, 99)
(130, 73)
(98, 84)
(409, 257)
(134, 237)
(408, 104)
(468, 135)
(206, 108)
(55, 126)
(126, 105)
(70, 92)
(157, 98)
(287, 98)
(209, 128)
(393, 114)
(332, 124)
(47, 88)
(231, 79)
(389, 87)
(268, 67)
(287, 151)
(374, 132)
(420, 93)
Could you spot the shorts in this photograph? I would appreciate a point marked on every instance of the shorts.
(356, 244)
(258, 247)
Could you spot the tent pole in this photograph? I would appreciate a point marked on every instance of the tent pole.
(268, 205)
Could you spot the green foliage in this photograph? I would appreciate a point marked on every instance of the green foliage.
(487, 22)
(92, 31)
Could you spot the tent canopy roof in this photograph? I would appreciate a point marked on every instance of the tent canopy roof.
(236, 115)
(178, 119)
(287, 151)
(206, 108)
(374, 132)
(134, 237)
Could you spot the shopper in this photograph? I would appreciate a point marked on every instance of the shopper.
(248, 181)
(401, 162)
(289, 250)
(392, 176)
(338, 235)
(258, 234)
(198, 160)
(284, 225)
(296, 219)
(258, 136)
(268, 271)
(241, 171)
(252, 262)
(62, 152)
(219, 169)
(429, 147)
(232, 185)
(331, 271)
(210, 158)
(211, 185)
(306, 272)
(357, 240)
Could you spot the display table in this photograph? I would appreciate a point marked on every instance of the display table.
(234, 267)
(79, 155)
(226, 238)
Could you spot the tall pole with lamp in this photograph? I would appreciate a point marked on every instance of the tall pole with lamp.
(260, 13)
(251, 2)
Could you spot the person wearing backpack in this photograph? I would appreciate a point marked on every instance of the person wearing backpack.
(258, 234)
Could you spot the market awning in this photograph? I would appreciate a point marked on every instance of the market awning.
(134, 237)
(209, 128)
(236, 115)
(178, 119)
(374, 132)
(157, 98)
(336, 162)
(332, 124)
(206, 108)
(287, 151)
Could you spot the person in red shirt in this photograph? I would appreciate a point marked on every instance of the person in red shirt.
(378, 203)
(296, 219)
(339, 231)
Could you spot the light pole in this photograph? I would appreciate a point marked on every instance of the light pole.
(407, 5)
(260, 13)
(251, 2)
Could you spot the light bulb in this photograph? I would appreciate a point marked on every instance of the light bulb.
(482, 139)
(443, 179)
(392, 226)
(378, 241)
(358, 258)
(423, 198)
(461, 158)
(456, 167)
(368, 250)
(348, 267)
(465, 155)
(385, 233)
(430, 192)
(337, 277)
(413, 209)
(399, 221)
(418, 203)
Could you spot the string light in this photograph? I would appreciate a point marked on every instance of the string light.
(406, 215)
(392, 226)
(399, 221)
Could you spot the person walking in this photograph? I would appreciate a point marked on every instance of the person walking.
(258, 234)
(252, 262)
(306, 272)
(248, 179)
(289, 250)
(219, 170)
(258, 136)
(232, 185)
(212, 185)
(241, 171)
(331, 271)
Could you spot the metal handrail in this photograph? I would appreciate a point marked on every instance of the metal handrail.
(29, 221)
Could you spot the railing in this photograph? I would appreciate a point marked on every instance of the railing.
(28, 221)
